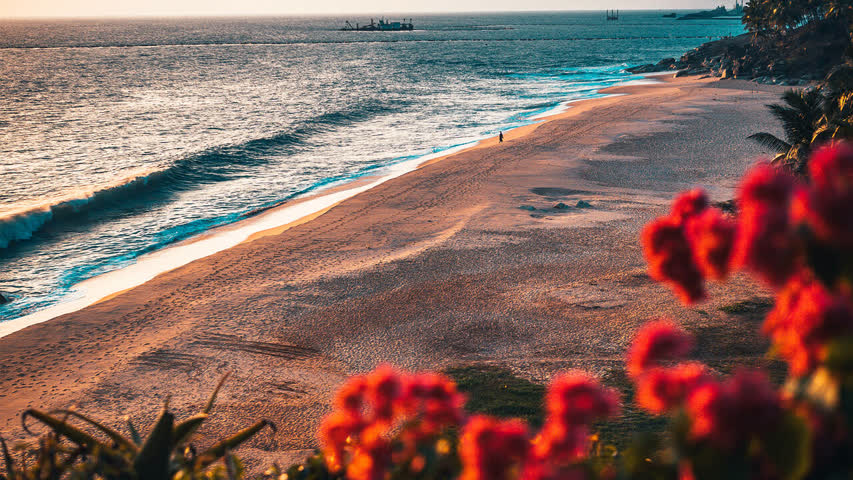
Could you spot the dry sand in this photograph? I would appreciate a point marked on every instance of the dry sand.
(436, 268)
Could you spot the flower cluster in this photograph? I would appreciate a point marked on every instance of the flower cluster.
(574, 401)
(728, 415)
(795, 235)
(381, 418)
(792, 234)
(826, 206)
(765, 241)
(806, 318)
(492, 449)
(693, 242)
(732, 412)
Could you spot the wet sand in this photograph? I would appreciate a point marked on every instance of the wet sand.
(463, 261)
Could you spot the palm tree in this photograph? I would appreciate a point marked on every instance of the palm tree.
(801, 116)
(837, 122)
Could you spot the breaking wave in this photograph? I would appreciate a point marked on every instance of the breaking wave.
(20, 223)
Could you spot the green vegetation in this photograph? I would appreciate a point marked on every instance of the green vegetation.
(68, 451)
(775, 16)
(811, 118)
(746, 306)
(497, 391)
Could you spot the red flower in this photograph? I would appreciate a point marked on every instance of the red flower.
(335, 432)
(657, 341)
(765, 185)
(711, 236)
(688, 205)
(350, 397)
(491, 449)
(670, 258)
(806, 317)
(372, 457)
(829, 204)
(732, 413)
(560, 443)
(765, 241)
(575, 398)
(661, 390)
(547, 471)
(384, 390)
(382, 407)
(436, 399)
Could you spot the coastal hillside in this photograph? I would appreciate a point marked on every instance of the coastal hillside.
(796, 54)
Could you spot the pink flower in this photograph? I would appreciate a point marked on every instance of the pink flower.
(492, 449)
(670, 258)
(711, 237)
(655, 342)
(732, 413)
(372, 456)
(560, 443)
(828, 205)
(766, 242)
(661, 390)
(384, 389)
(688, 205)
(334, 432)
(807, 317)
(575, 398)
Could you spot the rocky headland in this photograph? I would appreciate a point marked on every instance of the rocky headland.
(798, 57)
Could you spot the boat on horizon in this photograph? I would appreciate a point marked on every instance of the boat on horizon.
(383, 26)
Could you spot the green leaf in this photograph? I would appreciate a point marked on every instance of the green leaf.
(839, 355)
(209, 406)
(134, 434)
(60, 427)
(710, 463)
(7, 459)
(789, 447)
(219, 449)
(114, 435)
(152, 463)
(184, 429)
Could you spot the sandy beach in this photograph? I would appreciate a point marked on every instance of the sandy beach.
(466, 260)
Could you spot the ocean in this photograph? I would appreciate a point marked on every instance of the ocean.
(123, 137)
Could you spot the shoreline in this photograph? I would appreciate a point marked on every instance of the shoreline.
(465, 262)
(274, 220)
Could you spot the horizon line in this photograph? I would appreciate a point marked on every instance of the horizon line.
(156, 16)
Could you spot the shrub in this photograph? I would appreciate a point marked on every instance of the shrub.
(68, 451)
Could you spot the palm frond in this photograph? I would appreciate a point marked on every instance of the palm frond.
(770, 141)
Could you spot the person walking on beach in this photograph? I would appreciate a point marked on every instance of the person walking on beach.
(500, 137)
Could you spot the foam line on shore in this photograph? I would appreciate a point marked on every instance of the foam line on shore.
(149, 266)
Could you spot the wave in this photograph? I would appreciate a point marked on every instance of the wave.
(22, 222)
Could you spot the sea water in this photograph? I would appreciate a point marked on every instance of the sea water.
(122, 137)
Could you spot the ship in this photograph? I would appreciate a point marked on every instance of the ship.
(670, 15)
(382, 26)
(613, 14)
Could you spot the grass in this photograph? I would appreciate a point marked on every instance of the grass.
(633, 421)
(746, 306)
(498, 392)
